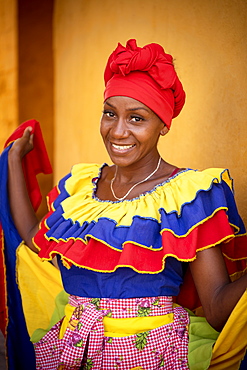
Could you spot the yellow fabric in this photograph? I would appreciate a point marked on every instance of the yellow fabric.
(231, 344)
(134, 325)
(180, 189)
(68, 313)
(39, 284)
(120, 327)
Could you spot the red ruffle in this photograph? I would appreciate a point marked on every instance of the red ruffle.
(95, 255)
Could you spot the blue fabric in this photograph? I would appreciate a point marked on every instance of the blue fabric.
(124, 282)
(20, 352)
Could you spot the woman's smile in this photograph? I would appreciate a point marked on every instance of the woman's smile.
(122, 148)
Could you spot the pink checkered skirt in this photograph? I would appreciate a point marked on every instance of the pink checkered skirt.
(85, 346)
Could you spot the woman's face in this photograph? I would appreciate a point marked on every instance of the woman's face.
(130, 131)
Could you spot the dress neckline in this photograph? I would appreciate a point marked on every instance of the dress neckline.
(95, 180)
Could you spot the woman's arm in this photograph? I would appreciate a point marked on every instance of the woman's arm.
(21, 208)
(217, 293)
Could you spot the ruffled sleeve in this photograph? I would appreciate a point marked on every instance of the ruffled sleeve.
(192, 211)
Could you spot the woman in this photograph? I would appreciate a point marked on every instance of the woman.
(122, 233)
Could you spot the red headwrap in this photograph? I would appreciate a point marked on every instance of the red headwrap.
(146, 74)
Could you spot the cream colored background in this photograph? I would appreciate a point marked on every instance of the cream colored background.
(208, 40)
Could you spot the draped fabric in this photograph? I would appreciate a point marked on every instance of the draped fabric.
(20, 354)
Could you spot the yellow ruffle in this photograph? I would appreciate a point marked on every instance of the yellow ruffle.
(171, 195)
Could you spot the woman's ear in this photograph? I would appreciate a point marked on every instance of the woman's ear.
(164, 130)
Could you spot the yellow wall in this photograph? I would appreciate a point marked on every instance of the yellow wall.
(208, 40)
(26, 71)
(35, 74)
(8, 69)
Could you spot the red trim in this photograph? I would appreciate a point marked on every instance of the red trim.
(175, 172)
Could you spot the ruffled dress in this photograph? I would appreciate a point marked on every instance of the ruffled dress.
(127, 260)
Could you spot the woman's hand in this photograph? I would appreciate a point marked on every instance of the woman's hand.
(21, 208)
(23, 145)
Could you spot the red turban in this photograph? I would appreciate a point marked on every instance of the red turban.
(146, 74)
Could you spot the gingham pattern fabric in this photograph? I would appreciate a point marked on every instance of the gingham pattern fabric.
(84, 345)
(124, 308)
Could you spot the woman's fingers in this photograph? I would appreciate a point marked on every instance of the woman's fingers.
(24, 144)
(27, 132)
(28, 135)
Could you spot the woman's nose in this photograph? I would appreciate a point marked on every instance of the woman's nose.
(119, 129)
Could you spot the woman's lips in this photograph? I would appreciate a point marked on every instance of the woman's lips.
(122, 148)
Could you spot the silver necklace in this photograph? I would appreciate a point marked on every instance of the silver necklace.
(140, 182)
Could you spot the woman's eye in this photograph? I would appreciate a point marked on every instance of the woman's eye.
(136, 119)
(108, 113)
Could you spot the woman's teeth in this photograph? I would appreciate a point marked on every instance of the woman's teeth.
(122, 147)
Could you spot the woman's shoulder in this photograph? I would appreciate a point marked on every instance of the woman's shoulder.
(215, 173)
(82, 173)
(86, 169)
(81, 176)
(187, 184)
(195, 178)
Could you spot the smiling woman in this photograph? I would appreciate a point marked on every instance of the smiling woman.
(130, 131)
(130, 237)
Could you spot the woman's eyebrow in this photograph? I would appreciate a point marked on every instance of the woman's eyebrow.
(129, 109)
(111, 105)
(137, 108)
